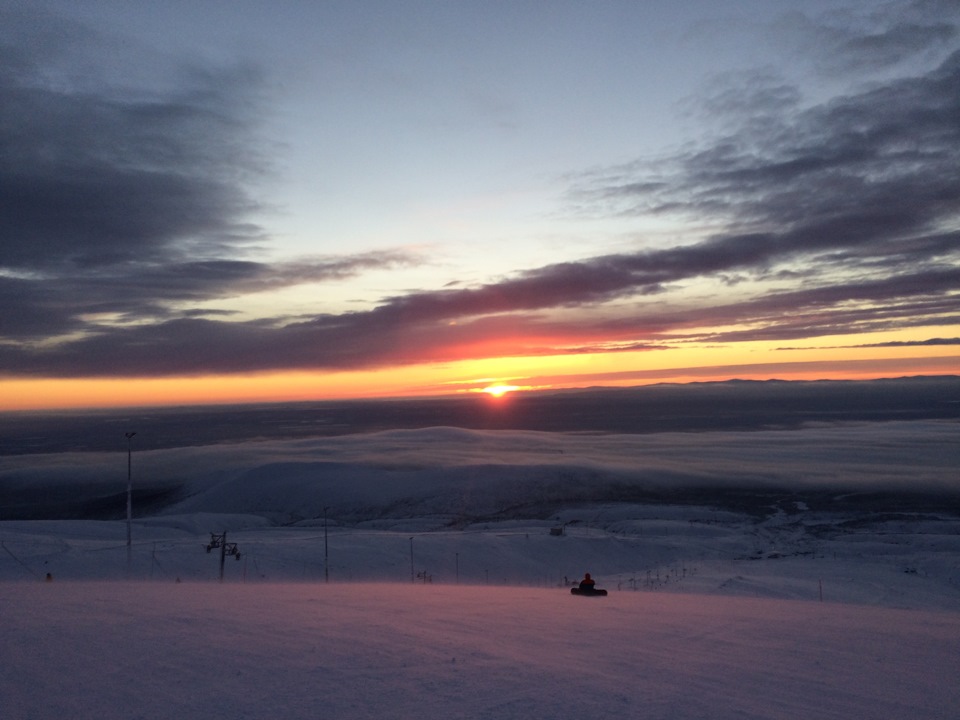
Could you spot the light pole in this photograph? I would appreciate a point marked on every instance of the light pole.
(326, 554)
(412, 576)
(129, 436)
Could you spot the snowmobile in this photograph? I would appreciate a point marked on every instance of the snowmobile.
(588, 592)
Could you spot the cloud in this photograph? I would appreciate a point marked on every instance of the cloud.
(128, 205)
(127, 210)
(386, 335)
(116, 200)
(59, 304)
(872, 41)
(100, 176)
(929, 342)
(833, 174)
(909, 300)
(860, 196)
(798, 370)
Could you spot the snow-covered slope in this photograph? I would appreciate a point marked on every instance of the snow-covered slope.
(862, 513)
(291, 651)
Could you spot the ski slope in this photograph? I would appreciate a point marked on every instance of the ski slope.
(304, 650)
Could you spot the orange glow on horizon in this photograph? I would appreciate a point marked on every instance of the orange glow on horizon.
(495, 377)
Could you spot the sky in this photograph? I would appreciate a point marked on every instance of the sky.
(248, 201)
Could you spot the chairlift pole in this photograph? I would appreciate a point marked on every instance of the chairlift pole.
(223, 553)
(129, 436)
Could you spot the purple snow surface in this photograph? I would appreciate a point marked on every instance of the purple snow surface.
(123, 650)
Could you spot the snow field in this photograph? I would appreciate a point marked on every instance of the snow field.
(304, 650)
(663, 549)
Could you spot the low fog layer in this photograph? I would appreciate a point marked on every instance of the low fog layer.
(464, 475)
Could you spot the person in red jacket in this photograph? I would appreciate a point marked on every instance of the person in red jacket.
(587, 583)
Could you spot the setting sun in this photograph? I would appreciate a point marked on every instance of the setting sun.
(500, 390)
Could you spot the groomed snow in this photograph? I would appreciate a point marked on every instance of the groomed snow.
(207, 651)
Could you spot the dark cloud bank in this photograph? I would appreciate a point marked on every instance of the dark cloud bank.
(122, 211)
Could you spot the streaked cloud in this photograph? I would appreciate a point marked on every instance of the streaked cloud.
(895, 343)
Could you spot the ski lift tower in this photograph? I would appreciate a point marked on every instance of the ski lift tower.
(129, 437)
(220, 541)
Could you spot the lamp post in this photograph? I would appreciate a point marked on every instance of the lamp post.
(129, 436)
(326, 554)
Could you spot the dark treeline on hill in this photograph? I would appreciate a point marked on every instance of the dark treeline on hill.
(697, 407)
